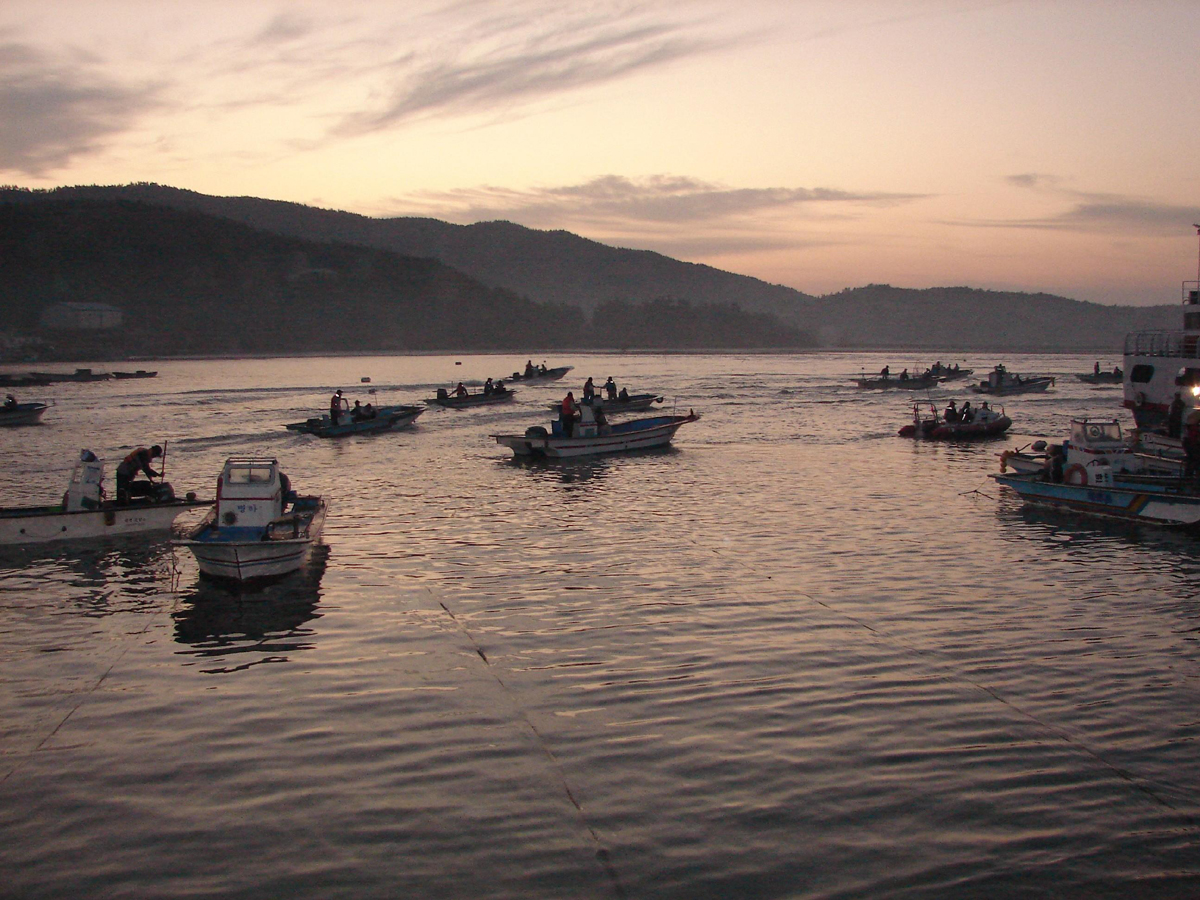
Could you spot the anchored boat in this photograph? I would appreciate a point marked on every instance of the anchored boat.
(84, 513)
(259, 528)
(1096, 471)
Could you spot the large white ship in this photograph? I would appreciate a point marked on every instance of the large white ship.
(1161, 364)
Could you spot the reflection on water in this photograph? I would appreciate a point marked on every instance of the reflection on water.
(252, 624)
(793, 655)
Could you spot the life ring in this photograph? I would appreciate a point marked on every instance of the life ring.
(1075, 474)
(1139, 400)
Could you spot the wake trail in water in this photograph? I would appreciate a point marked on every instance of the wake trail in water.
(602, 853)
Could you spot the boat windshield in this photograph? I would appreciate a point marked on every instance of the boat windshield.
(1096, 433)
(249, 474)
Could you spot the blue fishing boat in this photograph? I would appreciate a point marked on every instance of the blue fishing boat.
(1097, 472)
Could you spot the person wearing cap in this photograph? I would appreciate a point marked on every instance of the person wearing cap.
(335, 407)
(137, 461)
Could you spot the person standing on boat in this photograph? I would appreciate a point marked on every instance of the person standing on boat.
(951, 414)
(530, 371)
(1191, 445)
(589, 391)
(137, 461)
(1175, 417)
(335, 407)
(487, 388)
(566, 414)
(610, 388)
(885, 372)
(966, 414)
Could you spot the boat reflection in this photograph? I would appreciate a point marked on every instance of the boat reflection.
(582, 469)
(239, 627)
(1079, 530)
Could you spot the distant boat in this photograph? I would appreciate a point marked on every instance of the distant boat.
(385, 418)
(1001, 381)
(140, 373)
(457, 401)
(85, 514)
(77, 375)
(630, 403)
(920, 383)
(1114, 377)
(540, 374)
(259, 528)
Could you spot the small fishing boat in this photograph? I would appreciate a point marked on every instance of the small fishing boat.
(920, 383)
(983, 423)
(22, 413)
(460, 401)
(25, 379)
(539, 373)
(1001, 381)
(84, 513)
(1113, 377)
(1096, 471)
(946, 373)
(385, 418)
(590, 436)
(628, 403)
(258, 528)
(140, 373)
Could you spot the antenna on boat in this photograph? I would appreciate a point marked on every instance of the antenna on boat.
(1197, 227)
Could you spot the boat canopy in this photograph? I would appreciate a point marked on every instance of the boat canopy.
(1097, 434)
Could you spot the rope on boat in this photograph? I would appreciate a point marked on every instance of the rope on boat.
(602, 854)
(952, 673)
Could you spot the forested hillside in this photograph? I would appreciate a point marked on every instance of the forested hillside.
(191, 283)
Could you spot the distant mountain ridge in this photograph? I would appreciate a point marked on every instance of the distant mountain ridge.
(557, 267)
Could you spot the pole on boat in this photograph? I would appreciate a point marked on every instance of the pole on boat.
(162, 472)
(1197, 227)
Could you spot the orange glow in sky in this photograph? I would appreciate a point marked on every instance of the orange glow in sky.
(1034, 145)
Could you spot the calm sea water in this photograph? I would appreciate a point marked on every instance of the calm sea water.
(795, 655)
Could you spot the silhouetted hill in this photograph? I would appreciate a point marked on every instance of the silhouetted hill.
(557, 267)
(190, 282)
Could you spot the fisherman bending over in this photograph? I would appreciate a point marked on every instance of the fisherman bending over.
(137, 461)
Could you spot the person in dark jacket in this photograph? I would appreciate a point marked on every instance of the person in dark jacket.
(137, 461)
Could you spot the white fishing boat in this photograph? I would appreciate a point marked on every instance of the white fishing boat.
(84, 513)
(1001, 381)
(258, 528)
(589, 436)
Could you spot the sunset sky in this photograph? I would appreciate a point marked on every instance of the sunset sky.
(1035, 145)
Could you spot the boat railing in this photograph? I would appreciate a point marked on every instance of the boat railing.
(1178, 344)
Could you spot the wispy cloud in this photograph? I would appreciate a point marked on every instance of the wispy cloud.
(1097, 212)
(663, 199)
(53, 109)
(506, 64)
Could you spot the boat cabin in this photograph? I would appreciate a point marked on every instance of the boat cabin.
(251, 492)
(1096, 451)
(85, 488)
